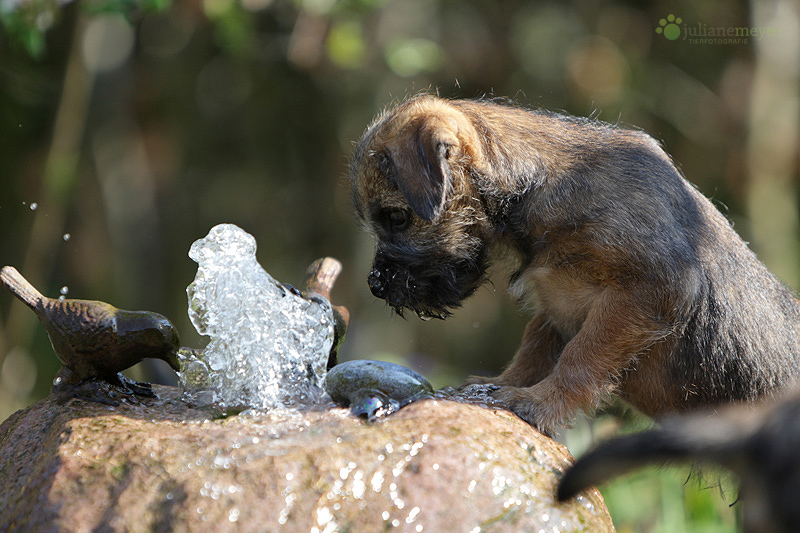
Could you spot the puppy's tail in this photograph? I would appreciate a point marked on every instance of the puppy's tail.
(716, 440)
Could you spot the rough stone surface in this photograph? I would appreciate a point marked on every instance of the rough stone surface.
(433, 466)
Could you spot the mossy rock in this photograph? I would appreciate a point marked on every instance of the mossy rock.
(434, 465)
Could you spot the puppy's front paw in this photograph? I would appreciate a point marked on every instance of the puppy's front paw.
(478, 390)
(478, 380)
(541, 412)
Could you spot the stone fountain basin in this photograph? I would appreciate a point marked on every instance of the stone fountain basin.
(435, 466)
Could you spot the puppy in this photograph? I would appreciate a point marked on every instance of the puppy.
(640, 285)
(759, 445)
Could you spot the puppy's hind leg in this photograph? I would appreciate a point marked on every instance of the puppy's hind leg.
(535, 359)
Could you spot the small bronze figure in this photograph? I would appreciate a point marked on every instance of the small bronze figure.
(96, 341)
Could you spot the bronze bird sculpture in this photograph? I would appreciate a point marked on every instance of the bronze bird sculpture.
(95, 341)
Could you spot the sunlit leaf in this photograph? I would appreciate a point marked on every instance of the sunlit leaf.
(346, 45)
(410, 57)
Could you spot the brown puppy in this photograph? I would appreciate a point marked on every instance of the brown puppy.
(638, 282)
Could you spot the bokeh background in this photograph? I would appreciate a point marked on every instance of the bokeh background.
(128, 128)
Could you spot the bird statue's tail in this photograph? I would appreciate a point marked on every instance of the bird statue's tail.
(20, 287)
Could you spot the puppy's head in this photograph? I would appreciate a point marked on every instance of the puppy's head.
(412, 188)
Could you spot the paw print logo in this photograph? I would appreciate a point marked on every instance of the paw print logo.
(669, 27)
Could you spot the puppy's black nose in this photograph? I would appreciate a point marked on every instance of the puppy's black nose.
(377, 283)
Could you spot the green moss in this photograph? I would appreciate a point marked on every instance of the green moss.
(454, 431)
(224, 415)
(120, 471)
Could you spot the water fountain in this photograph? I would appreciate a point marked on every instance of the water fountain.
(269, 345)
(292, 460)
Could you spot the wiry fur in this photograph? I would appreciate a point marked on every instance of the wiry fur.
(640, 284)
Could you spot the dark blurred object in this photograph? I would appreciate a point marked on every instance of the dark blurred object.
(96, 341)
(760, 444)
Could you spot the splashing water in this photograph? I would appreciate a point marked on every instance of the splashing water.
(268, 345)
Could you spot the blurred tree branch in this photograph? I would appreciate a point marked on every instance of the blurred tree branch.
(58, 182)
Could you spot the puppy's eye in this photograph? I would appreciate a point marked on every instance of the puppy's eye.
(385, 164)
(396, 220)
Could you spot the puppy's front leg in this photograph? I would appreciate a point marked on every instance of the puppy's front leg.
(615, 332)
(537, 355)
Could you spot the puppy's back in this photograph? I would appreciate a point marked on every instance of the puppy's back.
(736, 327)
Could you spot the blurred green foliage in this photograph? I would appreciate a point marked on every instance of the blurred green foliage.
(26, 22)
(134, 126)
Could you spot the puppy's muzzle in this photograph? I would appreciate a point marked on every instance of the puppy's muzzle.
(377, 282)
(399, 290)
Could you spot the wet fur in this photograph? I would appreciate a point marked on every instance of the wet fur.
(640, 285)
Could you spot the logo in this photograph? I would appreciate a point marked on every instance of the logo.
(669, 27)
(673, 28)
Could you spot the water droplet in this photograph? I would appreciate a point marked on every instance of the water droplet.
(34, 206)
(377, 481)
(324, 516)
(64, 290)
(67, 237)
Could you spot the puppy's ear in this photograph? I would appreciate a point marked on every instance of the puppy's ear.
(421, 159)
